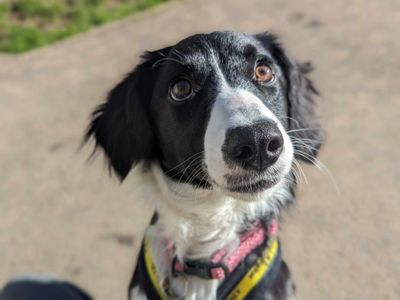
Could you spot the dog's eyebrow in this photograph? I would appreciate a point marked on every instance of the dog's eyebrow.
(173, 51)
(161, 60)
(249, 51)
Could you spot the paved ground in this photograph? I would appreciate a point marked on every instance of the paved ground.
(61, 215)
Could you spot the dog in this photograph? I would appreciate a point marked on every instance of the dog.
(212, 127)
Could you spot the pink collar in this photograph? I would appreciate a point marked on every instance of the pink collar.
(223, 263)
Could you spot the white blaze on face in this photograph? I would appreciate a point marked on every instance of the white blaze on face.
(233, 108)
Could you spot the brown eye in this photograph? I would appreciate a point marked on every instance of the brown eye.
(181, 90)
(264, 73)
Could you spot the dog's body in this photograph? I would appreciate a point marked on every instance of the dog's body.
(214, 124)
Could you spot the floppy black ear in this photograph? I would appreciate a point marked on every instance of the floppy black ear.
(121, 126)
(304, 128)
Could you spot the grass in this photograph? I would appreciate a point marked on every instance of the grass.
(28, 24)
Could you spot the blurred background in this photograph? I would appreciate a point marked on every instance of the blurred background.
(62, 214)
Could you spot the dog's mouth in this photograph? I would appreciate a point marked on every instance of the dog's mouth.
(252, 187)
(199, 179)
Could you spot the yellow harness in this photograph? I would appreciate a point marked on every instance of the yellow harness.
(247, 283)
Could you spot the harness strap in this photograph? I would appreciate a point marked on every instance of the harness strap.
(224, 262)
(237, 286)
(262, 270)
(164, 291)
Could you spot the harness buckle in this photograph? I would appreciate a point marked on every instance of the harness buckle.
(198, 268)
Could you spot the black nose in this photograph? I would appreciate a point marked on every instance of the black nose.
(254, 147)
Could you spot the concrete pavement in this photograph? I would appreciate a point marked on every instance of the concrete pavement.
(62, 215)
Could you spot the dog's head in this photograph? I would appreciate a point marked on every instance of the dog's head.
(224, 111)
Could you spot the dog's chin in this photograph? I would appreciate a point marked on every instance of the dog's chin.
(254, 190)
(253, 187)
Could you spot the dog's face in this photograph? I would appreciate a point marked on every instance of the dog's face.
(224, 111)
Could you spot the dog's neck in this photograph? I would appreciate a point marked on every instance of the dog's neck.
(198, 222)
(195, 224)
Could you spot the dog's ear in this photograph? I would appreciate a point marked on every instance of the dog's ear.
(121, 126)
(304, 127)
(303, 124)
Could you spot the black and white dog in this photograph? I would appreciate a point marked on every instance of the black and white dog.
(213, 126)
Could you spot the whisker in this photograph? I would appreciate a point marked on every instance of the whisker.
(321, 167)
(177, 53)
(297, 164)
(164, 59)
(197, 171)
(202, 179)
(187, 167)
(296, 174)
(294, 138)
(290, 118)
(302, 129)
(160, 53)
(300, 143)
(190, 157)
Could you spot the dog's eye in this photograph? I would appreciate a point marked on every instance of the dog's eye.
(181, 90)
(264, 73)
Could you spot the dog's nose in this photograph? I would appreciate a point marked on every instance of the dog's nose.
(254, 147)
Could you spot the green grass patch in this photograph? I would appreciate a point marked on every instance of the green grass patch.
(28, 24)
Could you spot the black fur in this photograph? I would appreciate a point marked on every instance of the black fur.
(135, 125)
(304, 126)
(122, 125)
(139, 121)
